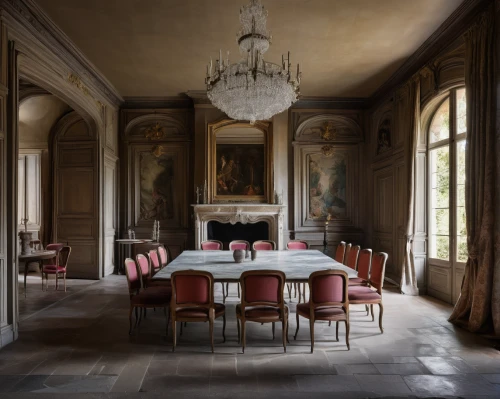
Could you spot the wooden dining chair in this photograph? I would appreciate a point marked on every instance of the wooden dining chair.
(347, 250)
(142, 298)
(264, 245)
(364, 263)
(59, 268)
(352, 257)
(146, 271)
(234, 245)
(163, 255)
(262, 301)
(372, 294)
(211, 245)
(340, 252)
(297, 245)
(328, 300)
(193, 301)
(216, 245)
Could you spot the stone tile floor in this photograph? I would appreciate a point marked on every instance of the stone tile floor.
(77, 343)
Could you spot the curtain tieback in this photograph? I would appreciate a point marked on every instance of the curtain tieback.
(409, 238)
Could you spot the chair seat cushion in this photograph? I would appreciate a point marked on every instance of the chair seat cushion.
(51, 269)
(360, 294)
(267, 313)
(324, 312)
(159, 296)
(201, 312)
(357, 281)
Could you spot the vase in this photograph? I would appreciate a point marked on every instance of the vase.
(254, 254)
(239, 255)
(25, 237)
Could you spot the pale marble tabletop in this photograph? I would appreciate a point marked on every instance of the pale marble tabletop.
(297, 265)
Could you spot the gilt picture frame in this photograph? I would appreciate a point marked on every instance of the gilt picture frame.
(240, 162)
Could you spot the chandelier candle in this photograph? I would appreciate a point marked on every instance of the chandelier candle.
(252, 89)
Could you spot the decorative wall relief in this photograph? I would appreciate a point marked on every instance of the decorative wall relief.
(327, 185)
(384, 135)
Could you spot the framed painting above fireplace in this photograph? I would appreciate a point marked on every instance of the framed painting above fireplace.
(240, 162)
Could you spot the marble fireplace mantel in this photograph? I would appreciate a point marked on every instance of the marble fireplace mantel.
(239, 213)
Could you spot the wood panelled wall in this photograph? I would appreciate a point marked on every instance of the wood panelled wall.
(176, 146)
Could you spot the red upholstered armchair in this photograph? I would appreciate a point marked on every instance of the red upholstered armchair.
(163, 254)
(264, 245)
(262, 301)
(193, 301)
(211, 245)
(60, 266)
(146, 270)
(372, 294)
(328, 300)
(364, 263)
(297, 245)
(239, 244)
(340, 252)
(144, 298)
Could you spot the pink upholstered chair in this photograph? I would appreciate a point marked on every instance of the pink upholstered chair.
(262, 301)
(297, 245)
(328, 300)
(364, 263)
(211, 245)
(193, 301)
(340, 252)
(58, 268)
(215, 245)
(352, 257)
(163, 255)
(264, 245)
(239, 244)
(372, 294)
(146, 272)
(154, 261)
(144, 298)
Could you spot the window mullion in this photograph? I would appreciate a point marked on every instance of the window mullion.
(453, 176)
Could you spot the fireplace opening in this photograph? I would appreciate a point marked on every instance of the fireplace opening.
(227, 232)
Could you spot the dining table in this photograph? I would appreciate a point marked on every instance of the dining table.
(297, 265)
(35, 257)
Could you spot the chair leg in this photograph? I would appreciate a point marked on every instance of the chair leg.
(347, 328)
(130, 320)
(283, 333)
(239, 334)
(64, 276)
(329, 323)
(224, 327)
(57, 286)
(381, 312)
(367, 310)
(295, 289)
(181, 327)
(211, 326)
(243, 335)
(167, 315)
(136, 316)
(297, 330)
(311, 328)
(238, 285)
(223, 293)
(227, 290)
(337, 331)
(273, 329)
(371, 309)
(174, 334)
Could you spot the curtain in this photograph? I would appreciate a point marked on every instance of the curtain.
(408, 278)
(474, 308)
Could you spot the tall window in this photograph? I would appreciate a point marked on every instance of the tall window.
(447, 132)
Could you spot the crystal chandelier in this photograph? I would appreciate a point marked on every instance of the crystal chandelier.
(252, 89)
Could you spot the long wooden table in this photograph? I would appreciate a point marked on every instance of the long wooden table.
(297, 265)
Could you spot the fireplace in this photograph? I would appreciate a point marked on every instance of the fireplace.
(260, 218)
(227, 232)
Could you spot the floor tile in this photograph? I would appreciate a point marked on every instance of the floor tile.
(389, 385)
(451, 385)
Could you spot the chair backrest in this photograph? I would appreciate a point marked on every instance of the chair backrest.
(64, 254)
(377, 272)
(163, 254)
(297, 245)
(192, 288)
(144, 268)
(55, 247)
(262, 288)
(352, 257)
(347, 250)
(340, 252)
(154, 261)
(211, 245)
(264, 245)
(364, 263)
(328, 288)
(239, 244)
(133, 277)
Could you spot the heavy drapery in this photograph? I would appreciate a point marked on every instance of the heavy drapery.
(476, 309)
(408, 278)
